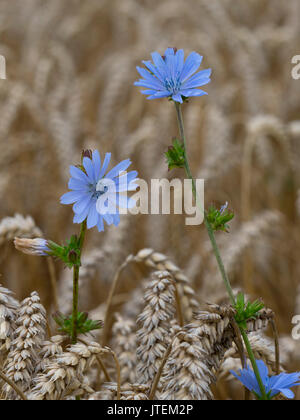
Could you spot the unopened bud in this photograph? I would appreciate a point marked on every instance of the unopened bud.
(37, 246)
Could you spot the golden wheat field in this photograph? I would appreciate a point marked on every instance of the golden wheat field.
(168, 331)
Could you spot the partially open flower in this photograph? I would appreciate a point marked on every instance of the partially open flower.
(37, 246)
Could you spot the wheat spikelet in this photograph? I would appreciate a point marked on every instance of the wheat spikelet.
(188, 376)
(153, 335)
(49, 349)
(263, 349)
(8, 314)
(24, 356)
(159, 261)
(125, 344)
(64, 376)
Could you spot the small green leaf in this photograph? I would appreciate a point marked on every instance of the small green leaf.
(175, 155)
(246, 311)
(218, 219)
(84, 324)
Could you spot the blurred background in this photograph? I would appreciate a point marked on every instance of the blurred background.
(70, 74)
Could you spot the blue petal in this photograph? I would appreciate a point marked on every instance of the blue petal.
(105, 165)
(159, 63)
(202, 74)
(177, 98)
(248, 380)
(148, 84)
(70, 197)
(287, 393)
(89, 167)
(78, 174)
(80, 217)
(75, 184)
(116, 219)
(171, 65)
(180, 61)
(97, 164)
(158, 95)
(195, 81)
(192, 92)
(100, 224)
(263, 370)
(169, 51)
(82, 204)
(122, 166)
(93, 217)
(149, 78)
(126, 182)
(108, 218)
(191, 66)
(154, 70)
(148, 92)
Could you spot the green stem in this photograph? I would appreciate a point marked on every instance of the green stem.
(216, 250)
(75, 286)
(206, 222)
(254, 364)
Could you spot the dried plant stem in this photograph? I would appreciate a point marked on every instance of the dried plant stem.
(159, 372)
(277, 348)
(216, 251)
(75, 286)
(178, 307)
(239, 343)
(118, 369)
(240, 347)
(13, 385)
(52, 275)
(102, 365)
(113, 288)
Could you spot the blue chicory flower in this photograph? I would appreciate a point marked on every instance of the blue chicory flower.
(96, 194)
(172, 77)
(274, 385)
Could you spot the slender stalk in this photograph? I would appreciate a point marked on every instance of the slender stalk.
(118, 368)
(52, 275)
(206, 222)
(13, 385)
(108, 311)
(159, 372)
(216, 251)
(277, 348)
(75, 286)
(254, 364)
(178, 307)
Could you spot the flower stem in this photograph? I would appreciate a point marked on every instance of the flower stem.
(254, 364)
(75, 286)
(13, 385)
(206, 222)
(216, 250)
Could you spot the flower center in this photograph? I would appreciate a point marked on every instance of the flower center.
(173, 85)
(98, 189)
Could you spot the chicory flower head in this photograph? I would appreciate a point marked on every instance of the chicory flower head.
(274, 385)
(172, 77)
(36, 246)
(96, 194)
